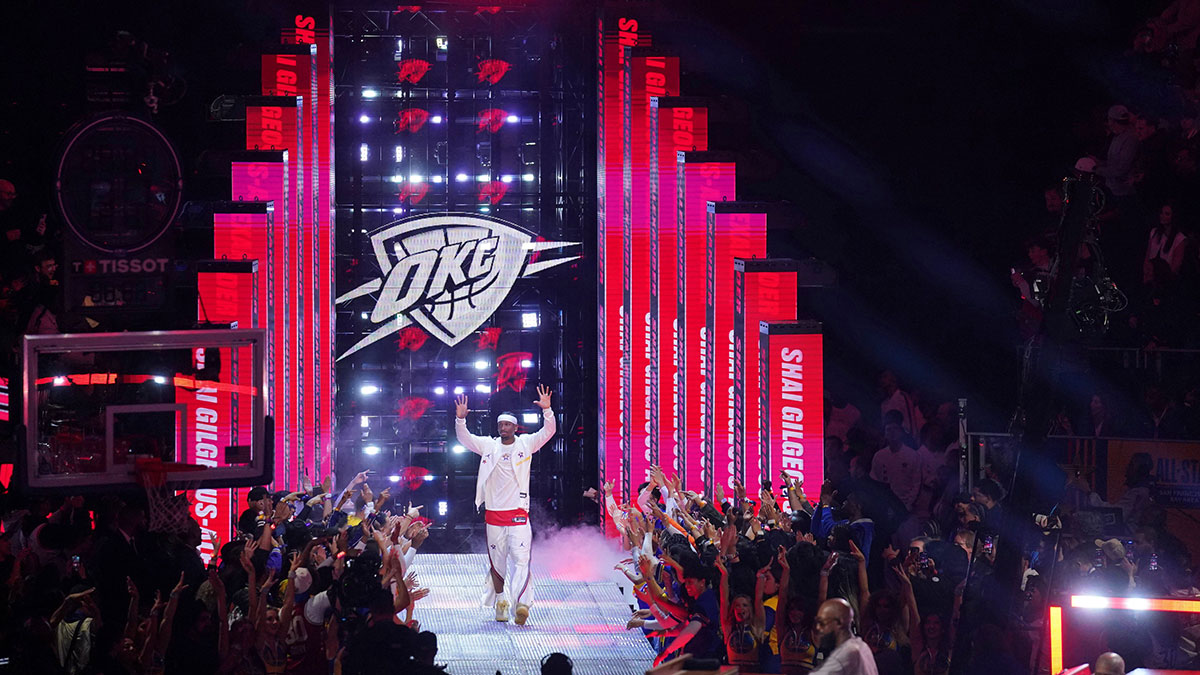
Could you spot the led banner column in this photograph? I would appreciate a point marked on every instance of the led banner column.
(763, 290)
(315, 28)
(290, 70)
(734, 230)
(791, 395)
(701, 177)
(272, 123)
(676, 124)
(227, 295)
(616, 37)
(653, 75)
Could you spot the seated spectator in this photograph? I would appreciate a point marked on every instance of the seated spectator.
(1117, 166)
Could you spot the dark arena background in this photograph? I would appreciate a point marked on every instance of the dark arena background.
(907, 290)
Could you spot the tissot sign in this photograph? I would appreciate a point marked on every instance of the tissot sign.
(447, 273)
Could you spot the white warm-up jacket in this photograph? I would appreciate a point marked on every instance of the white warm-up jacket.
(520, 453)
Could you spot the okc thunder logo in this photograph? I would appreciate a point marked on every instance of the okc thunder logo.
(447, 273)
(491, 70)
(412, 70)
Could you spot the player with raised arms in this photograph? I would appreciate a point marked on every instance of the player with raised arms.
(503, 489)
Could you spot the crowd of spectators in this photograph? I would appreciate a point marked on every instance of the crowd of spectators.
(892, 550)
(317, 581)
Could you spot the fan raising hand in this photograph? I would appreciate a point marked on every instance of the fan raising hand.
(543, 401)
(460, 407)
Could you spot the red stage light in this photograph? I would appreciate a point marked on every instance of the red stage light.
(492, 70)
(487, 9)
(491, 119)
(412, 70)
(406, 8)
(411, 119)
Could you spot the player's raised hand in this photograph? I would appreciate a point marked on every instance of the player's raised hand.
(543, 401)
(460, 407)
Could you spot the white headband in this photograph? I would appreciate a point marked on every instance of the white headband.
(506, 418)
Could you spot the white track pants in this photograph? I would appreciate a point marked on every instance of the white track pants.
(508, 556)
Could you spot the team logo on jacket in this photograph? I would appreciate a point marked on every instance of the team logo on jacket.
(447, 273)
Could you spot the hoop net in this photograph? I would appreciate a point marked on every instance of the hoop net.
(169, 509)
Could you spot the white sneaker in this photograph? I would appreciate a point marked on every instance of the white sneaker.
(521, 615)
(502, 610)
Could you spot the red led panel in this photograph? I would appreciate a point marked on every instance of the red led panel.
(290, 70)
(610, 217)
(763, 290)
(734, 230)
(653, 75)
(269, 179)
(317, 30)
(701, 177)
(222, 417)
(675, 124)
(791, 412)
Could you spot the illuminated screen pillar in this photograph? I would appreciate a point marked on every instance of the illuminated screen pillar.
(791, 413)
(734, 230)
(675, 124)
(763, 290)
(653, 75)
(616, 38)
(271, 124)
(316, 30)
(701, 177)
(290, 70)
(224, 418)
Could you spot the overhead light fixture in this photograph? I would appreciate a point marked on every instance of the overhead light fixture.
(441, 508)
(440, 391)
(436, 119)
(364, 119)
(370, 93)
(368, 389)
(506, 179)
(364, 421)
(528, 177)
(529, 320)
(526, 363)
(512, 119)
(483, 388)
(399, 153)
(529, 418)
(458, 390)
(416, 178)
(436, 179)
(394, 478)
(371, 450)
(364, 152)
(458, 449)
(159, 379)
(481, 365)
(442, 42)
(461, 177)
(396, 179)
(428, 478)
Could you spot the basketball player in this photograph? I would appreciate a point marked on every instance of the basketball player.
(503, 487)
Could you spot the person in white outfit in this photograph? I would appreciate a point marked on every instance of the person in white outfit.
(503, 487)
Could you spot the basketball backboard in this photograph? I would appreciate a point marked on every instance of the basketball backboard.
(95, 405)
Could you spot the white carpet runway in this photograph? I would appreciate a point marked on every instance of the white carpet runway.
(584, 620)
